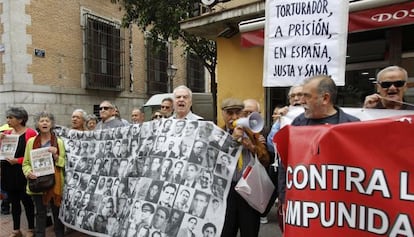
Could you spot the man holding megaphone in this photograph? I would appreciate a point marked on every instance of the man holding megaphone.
(241, 131)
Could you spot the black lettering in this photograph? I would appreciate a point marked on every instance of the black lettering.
(315, 69)
(302, 8)
(284, 70)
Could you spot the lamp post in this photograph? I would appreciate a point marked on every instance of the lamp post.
(171, 71)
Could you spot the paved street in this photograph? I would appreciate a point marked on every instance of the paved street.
(6, 225)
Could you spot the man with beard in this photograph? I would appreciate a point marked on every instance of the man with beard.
(391, 86)
(319, 95)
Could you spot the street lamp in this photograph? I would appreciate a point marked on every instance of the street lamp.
(171, 71)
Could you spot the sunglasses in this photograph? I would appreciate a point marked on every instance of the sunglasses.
(165, 107)
(105, 108)
(388, 84)
(157, 116)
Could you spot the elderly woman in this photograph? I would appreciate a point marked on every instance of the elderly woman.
(44, 123)
(91, 121)
(12, 178)
(78, 119)
(157, 115)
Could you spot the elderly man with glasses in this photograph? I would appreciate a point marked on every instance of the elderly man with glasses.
(107, 113)
(391, 86)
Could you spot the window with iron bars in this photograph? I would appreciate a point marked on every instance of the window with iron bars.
(195, 73)
(104, 54)
(157, 62)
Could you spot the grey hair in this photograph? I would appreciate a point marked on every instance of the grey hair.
(391, 69)
(19, 113)
(190, 93)
(91, 117)
(326, 85)
(293, 87)
(167, 99)
(44, 114)
(83, 112)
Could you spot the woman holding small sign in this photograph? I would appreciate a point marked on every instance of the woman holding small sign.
(13, 180)
(44, 123)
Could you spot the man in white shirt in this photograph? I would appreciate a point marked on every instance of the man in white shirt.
(182, 104)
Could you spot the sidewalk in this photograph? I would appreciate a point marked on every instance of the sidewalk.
(6, 227)
(270, 229)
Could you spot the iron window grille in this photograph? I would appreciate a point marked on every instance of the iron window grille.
(104, 54)
(157, 63)
(195, 73)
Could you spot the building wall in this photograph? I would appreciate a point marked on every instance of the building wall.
(55, 82)
(239, 72)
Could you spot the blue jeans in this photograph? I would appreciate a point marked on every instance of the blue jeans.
(41, 218)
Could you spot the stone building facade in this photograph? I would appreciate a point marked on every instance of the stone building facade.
(63, 55)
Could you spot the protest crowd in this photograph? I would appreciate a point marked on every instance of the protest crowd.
(175, 175)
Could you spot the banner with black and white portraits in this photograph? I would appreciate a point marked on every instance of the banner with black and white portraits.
(163, 178)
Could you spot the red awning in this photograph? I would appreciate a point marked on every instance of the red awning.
(381, 17)
(252, 38)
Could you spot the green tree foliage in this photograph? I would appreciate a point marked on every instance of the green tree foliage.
(162, 19)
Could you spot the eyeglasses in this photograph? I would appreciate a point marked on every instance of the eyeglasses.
(294, 95)
(105, 107)
(165, 107)
(157, 116)
(247, 113)
(388, 84)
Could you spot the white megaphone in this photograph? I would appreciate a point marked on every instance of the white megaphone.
(254, 122)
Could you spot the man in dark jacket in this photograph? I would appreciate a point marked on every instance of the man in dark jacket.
(319, 96)
(240, 216)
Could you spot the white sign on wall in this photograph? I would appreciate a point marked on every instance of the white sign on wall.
(303, 39)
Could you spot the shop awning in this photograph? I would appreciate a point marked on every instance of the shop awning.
(252, 33)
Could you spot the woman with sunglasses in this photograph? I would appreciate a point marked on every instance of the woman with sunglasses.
(157, 115)
(391, 87)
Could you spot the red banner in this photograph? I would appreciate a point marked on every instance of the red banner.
(353, 179)
(388, 16)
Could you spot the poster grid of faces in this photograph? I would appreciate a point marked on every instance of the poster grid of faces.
(161, 178)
